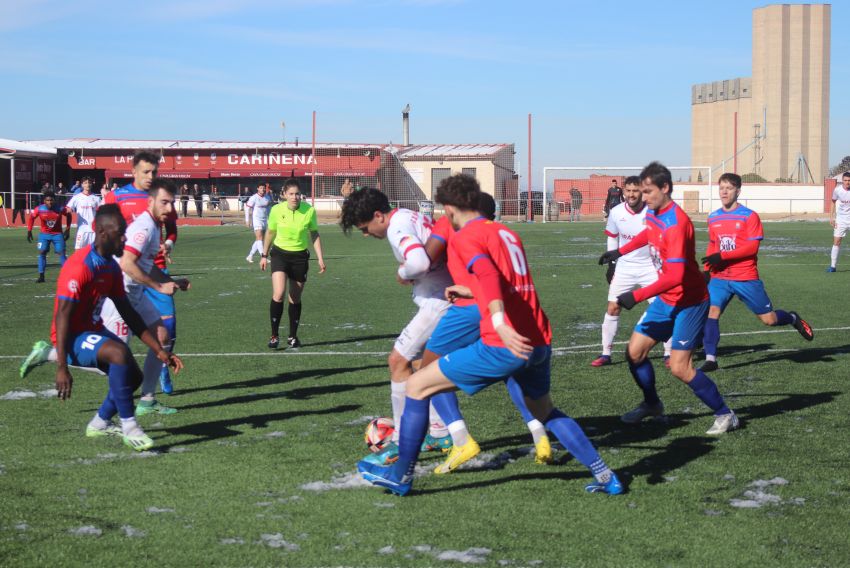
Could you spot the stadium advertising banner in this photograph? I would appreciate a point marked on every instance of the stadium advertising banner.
(236, 164)
(24, 174)
(44, 170)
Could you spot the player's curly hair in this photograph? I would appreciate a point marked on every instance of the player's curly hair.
(461, 191)
(145, 156)
(658, 175)
(360, 207)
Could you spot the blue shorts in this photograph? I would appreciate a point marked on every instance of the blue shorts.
(684, 324)
(83, 348)
(44, 241)
(163, 303)
(459, 327)
(751, 292)
(478, 366)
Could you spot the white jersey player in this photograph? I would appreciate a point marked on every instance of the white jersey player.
(633, 270)
(257, 209)
(407, 231)
(140, 249)
(84, 204)
(839, 217)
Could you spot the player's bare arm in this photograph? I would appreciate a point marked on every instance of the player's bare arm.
(130, 266)
(64, 380)
(317, 246)
(134, 321)
(457, 291)
(267, 245)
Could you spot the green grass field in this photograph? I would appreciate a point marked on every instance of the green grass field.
(257, 468)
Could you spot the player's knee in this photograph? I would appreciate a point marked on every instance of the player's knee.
(115, 353)
(681, 368)
(634, 356)
(397, 362)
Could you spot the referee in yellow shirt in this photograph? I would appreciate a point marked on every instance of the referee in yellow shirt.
(292, 225)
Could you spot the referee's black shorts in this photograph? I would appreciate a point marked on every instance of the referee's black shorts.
(293, 263)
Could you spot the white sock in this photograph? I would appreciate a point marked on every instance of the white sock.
(438, 427)
(609, 330)
(710, 357)
(537, 429)
(460, 435)
(834, 255)
(52, 355)
(397, 393)
(151, 370)
(130, 426)
(98, 422)
(668, 347)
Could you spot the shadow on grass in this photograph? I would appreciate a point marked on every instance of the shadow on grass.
(813, 355)
(350, 340)
(306, 393)
(218, 429)
(281, 378)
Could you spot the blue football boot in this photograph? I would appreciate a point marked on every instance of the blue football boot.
(387, 456)
(386, 476)
(165, 380)
(611, 487)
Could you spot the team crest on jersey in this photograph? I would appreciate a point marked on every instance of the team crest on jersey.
(73, 286)
(139, 238)
(51, 224)
(727, 243)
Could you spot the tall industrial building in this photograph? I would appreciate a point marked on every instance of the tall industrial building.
(782, 110)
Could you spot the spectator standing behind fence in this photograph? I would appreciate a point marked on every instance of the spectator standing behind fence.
(244, 196)
(19, 206)
(215, 198)
(198, 196)
(346, 189)
(104, 191)
(614, 198)
(184, 200)
(576, 200)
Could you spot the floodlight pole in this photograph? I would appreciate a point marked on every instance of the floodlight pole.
(313, 177)
(529, 209)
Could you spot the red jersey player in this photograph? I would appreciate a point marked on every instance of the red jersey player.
(682, 305)
(89, 277)
(50, 216)
(731, 262)
(515, 341)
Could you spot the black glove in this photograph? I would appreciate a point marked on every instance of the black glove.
(610, 256)
(609, 274)
(712, 260)
(29, 236)
(707, 275)
(627, 300)
(66, 235)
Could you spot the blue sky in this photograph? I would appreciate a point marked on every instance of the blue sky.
(606, 81)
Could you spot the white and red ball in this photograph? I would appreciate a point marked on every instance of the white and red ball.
(379, 433)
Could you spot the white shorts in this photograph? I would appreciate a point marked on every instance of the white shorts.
(627, 279)
(411, 342)
(260, 225)
(85, 237)
(113, 322)
(841, 228)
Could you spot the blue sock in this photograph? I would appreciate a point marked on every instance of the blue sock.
(447, 407)
(412, 430)
(644, 375)
(711, 336)
(108, 409)
(62, 258)
(707, 391)
(121, 390)
(570, 434)
(42, 263)
(783, 318)
(519, 399)
(170, 326)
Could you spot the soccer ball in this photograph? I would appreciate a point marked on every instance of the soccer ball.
(379, 433)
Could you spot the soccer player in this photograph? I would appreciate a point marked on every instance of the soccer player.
(457, 329)
(625, 222)
(50, 218)
(839, 218)
(682, 305)
(90, 276)
(731, 262)
(292, 225)
(407, 231)
(257, 209)
(137, 262)
(515, 341)
(84, 204)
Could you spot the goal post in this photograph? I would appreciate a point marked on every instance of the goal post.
(570, 192)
